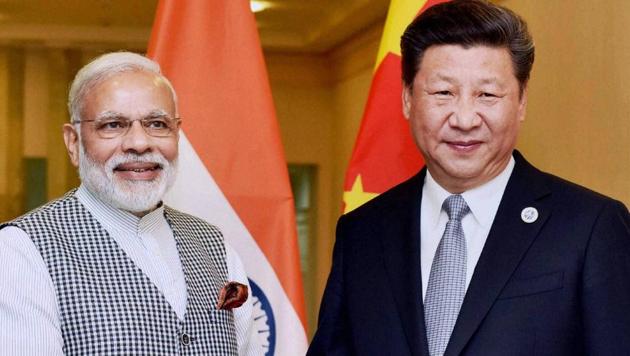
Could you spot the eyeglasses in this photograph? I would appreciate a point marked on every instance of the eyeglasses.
(156, 126)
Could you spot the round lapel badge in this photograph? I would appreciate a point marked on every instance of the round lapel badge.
(529, 215)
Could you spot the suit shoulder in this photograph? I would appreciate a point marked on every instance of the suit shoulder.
(580, 204)
(579, 195)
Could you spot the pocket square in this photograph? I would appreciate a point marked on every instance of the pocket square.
(232, 295)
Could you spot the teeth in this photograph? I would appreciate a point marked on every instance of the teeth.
(137, 170)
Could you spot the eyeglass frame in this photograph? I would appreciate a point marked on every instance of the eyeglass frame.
(175, 121)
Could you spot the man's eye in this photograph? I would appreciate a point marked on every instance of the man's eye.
(488, 95)
(156, 124)
(442, 93)
(112, 125)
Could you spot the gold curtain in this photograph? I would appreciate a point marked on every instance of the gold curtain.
(34, 166)
(11, 132)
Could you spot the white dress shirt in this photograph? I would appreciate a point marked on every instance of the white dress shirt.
(29, 315)
(483, 202)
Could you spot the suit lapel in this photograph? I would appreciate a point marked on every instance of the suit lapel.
(507, 243)
(401, 249)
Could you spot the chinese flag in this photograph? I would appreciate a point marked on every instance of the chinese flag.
(384, 153)
(232, 170)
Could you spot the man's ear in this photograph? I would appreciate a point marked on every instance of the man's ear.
(522, 106)
(71, 139)
(179, 126)
(406, 101)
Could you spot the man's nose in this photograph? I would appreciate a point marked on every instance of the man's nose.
(465, 115)
(136, 139)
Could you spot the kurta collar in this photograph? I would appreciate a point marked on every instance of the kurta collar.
(114, 219)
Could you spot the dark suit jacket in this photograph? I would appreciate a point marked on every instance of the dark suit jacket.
(557, 286)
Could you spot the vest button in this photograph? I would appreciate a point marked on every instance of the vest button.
(185, 339)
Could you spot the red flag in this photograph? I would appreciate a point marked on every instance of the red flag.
(232, 166)
(384, 153)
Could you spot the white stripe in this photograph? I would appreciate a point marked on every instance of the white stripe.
(196, 193)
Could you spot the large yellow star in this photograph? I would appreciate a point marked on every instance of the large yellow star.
(356, 196)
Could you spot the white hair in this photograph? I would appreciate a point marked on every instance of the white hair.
(105, 67)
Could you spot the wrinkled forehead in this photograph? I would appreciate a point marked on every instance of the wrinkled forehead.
(482, 63)
(130, 92)
(107, 81)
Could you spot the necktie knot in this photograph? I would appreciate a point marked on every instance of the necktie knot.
(455, 207)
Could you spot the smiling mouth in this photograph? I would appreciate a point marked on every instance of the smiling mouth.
(464, 145)
(137, 168)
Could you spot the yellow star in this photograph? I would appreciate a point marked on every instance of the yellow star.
(356, 196)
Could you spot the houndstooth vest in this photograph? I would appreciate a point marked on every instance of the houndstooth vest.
(107, 305)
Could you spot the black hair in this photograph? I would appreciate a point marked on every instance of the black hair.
(467, 23)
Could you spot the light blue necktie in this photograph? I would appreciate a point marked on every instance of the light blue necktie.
(447, 281)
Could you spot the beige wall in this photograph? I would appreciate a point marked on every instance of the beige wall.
(303, 104)
(578, 118)
(11, 125)
(319, 101)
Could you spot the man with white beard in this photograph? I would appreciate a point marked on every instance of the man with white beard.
(108, 269)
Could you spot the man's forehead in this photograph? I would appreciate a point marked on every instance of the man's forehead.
(456, 51)
(140, 91)
(123, 79)
(484, 63)
(135, 83)
(478, 77)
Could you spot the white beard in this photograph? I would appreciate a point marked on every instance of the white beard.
(133, 196)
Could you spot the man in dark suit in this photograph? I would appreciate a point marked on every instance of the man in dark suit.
(480, 253)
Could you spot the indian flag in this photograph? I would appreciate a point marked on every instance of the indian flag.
(232, 170)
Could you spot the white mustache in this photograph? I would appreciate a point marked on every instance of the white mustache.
(124, 158)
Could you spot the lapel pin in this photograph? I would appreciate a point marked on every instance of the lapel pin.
(529, 215)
